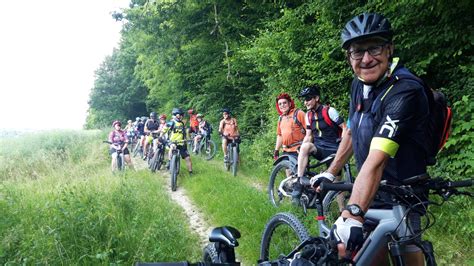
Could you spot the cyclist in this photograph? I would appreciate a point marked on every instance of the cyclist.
(228, 129)
(388, 142)
(323, 126)
(119, 140)
(204, 130)
(151, 129)
(130, 129)
(176, 130)
(140, 128)
(290, 129)
(193, 123)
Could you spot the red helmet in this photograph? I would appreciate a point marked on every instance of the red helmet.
(116, 122)
(163, 116)
(190, 111)
(288, 98)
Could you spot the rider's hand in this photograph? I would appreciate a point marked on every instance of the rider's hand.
(320, 178)
(275, 154)
(347, 231)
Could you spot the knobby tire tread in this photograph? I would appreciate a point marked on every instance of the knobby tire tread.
(280, 219)
(272, 187)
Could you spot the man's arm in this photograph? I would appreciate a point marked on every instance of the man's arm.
(279, 142)
(367, 182)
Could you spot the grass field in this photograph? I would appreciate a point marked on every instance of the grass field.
(60, 204)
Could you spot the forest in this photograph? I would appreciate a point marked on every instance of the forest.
(207, 55)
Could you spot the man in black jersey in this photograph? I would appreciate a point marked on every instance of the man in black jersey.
(386, 127)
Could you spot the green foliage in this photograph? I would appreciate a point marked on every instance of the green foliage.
(456, 158)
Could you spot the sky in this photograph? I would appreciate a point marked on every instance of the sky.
(49, 51)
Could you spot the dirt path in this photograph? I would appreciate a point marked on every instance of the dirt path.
(196, 221)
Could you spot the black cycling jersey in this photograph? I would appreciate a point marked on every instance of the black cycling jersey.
(391, 119)
(152, 125)
(324, 136)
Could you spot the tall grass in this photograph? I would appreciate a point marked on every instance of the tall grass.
(60, 204)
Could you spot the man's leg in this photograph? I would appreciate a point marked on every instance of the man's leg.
(303, 158)
(224, 147)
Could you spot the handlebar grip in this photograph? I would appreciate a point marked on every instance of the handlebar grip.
(462, 183)
(325, 186)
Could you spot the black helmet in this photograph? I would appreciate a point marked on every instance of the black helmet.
(365, 26)
(177, 111)
(226, 110)
(153, 114)
(310, 91)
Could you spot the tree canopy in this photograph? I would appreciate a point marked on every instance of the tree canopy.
(208, 55)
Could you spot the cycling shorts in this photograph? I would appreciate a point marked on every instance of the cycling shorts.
(183, 150)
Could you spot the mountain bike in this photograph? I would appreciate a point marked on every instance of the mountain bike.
(207, 147)
(118, 154)
(220, 250)
(175, 162)
(283, 176)
(137, 148)
(286, 239)
(158, 158)
(232, 155)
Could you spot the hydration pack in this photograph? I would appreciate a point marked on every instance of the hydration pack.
(439, 120)
(295, 120)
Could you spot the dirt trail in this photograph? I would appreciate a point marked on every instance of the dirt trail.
(196, 221)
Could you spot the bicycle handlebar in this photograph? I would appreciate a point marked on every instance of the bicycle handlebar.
(437, 185)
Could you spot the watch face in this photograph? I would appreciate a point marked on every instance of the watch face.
(353, 209)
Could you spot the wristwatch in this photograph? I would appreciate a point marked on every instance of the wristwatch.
(355, 210)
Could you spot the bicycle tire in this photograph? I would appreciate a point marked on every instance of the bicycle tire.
(120, 162)
(331, 207)
(290, 232)
(277, 175)
(137, 150)
(174, 172)
(208, 149)
(235, 160)
(154, 162)
(210, 254)
(229, 158)
(160, 161)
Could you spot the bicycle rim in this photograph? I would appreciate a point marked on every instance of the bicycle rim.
(235, 159)
(277, 175)
(208, 149)
(333, 203)
(281, 235)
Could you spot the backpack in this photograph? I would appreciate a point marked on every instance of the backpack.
(295, 120)
(439, 120)
(329, 121)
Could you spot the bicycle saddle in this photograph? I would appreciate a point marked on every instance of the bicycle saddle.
(227, 235)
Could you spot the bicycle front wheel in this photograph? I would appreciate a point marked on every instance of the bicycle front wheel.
(154, 162)
(235, 160)
(279, 173)
(174, 172)
(160, 160)
(281, 235)
(208, 149)
(210, 254)
(137, 150)
(333, 204)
